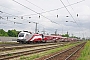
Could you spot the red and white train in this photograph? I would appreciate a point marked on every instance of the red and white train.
(27, 37)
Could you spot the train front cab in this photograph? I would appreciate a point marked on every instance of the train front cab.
(23, 37)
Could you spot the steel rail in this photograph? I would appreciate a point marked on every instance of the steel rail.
(18, 54)
(21, 47)
(74, 52)
(53, 56)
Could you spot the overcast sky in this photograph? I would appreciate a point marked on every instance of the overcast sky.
(45, 12)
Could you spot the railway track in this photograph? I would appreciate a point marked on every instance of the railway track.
(65, 55)
(27, 49)
(18, 44)
(8, 56)
(21, 46)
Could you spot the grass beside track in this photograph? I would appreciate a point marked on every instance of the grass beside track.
(85, 53)
(38, 55)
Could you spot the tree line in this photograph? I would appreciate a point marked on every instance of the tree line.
(14, 33)
(9, 33)
(67, 35)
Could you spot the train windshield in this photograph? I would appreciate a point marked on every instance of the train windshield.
(21, 35)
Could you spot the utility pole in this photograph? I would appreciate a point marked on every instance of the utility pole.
(35, 27)
(67, 35)
(43, 31)
(72, 36)
(56, 32)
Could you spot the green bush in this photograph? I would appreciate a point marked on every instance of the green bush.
(10, 33)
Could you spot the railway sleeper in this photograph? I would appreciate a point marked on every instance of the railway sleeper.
(18, 54)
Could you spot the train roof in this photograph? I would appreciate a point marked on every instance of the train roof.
(26, 32)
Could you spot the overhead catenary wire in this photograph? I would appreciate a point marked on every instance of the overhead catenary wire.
(36, 6)
(71, 6)
(73, 11)
(64, 7)
(34, 11)
(15, 22)
(7, 13)
(10, 8)
(11, 15)
(69, 12)
(1, 18)
(40, 13)
(9, 25)
(54, 10)
(41, 8)
(7, 19)
(57, 8)
(25, 7)
(44, 12)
